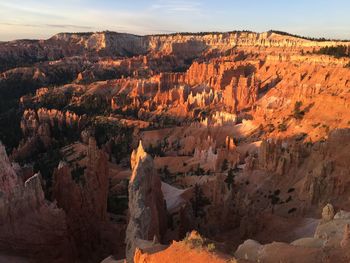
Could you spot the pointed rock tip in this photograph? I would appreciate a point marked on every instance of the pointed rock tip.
(140, 151)
(137, 155)
(140, 148)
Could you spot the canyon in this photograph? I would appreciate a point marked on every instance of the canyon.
(203, 147)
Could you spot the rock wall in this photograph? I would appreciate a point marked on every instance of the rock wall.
(82, 194)
(182, 45)
(30, 226)
(147, 207)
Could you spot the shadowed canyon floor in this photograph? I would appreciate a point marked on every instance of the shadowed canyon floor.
(210, 147)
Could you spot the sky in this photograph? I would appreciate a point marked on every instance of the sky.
(40, 19)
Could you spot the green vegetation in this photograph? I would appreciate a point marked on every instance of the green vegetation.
(335, 51)
(194, 240)
(91, 105)
(199, 171)
(155, 150)
(211, 247)
(290, 190)
(303, 37)
(54, 99)
(203, 33)
(165, 173)
(282, 127)
(45, 163)
(119, 137)
(292, 210)
(10, 133)
(199, 201)
(298, 114)
(230, 179)
(224, 165)
(274, 199)
(78, 174)
(117, 204)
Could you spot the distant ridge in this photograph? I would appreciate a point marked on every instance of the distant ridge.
(203, 33)
(321, 39)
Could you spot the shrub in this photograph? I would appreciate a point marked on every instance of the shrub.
(199, 171)
(292, 210)
(277, 192)
(291, 190)
(194, 240)
(298, 113)
(199, 201)
(211, 247)
(282, 127)
(289, 199)
(117, 204)
(335, 51)
(77, 174)
(224, 165)
(230, 178)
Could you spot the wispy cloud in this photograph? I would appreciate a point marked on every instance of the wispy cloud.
(62, 26)
(18, 25)
(30, 9)
(70, 26)
(176, 6)
(43, 18)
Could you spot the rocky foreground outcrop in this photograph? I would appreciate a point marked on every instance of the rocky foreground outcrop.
(330, 243)
(30, 226)
(147, 208)
(82, 193)
(193, 248)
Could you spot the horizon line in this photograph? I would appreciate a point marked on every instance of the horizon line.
(170, 33)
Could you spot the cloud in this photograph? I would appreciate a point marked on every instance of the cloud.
(173, 6)
(20, 19)
(29, 9)
(17, 25)
(63, 26)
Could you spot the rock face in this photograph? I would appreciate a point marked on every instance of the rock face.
(29, 225)
(192, 249)
(345, 242)
(111, 43)
(329, 244)
(32, 120)
(39, 128)
(328, 213)
(147, 207)
(280, 156)
(82, 193)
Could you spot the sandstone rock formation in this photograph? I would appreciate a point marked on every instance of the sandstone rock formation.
(192, 248)
(30, 226)
(328, 213)
(146, 204)
(346, 237)
(110, 43)
(330, 238)
(82, 193)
